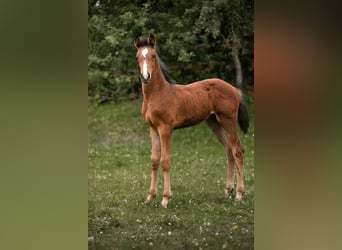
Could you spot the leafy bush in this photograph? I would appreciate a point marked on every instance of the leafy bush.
(194, 38)
(103, 88)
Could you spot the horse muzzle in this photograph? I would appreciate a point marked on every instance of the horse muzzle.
(145, 79)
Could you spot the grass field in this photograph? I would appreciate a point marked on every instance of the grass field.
(197, 217)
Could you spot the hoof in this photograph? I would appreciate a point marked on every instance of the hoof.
(228, 192)
(239, 196)
(149, 199)
(164, 202)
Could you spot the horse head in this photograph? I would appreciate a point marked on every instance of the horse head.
(146, 56)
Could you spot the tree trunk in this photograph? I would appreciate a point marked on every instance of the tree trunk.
(238, 70)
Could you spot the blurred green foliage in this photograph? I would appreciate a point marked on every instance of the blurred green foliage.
(194, 38)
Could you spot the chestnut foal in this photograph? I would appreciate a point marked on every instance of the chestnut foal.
(169, 106)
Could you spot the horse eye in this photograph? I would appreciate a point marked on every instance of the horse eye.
(153, 56)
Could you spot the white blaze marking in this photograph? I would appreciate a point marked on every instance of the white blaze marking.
(145, 74)
(144, 53)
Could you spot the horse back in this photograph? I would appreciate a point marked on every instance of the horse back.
(187, 105)
(218, 91)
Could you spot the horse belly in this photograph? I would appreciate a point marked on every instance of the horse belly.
(187, 123)
(191, 117)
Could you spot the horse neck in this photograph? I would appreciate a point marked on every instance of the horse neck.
(157, 83)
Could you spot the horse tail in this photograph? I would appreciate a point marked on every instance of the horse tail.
(243, 117)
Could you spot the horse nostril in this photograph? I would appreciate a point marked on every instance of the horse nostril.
(145, 79)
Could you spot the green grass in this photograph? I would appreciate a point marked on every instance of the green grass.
(197, 217)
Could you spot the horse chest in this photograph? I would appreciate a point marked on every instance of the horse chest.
(154, 116)
(148, 117)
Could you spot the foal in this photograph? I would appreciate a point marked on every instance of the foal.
(170, 106)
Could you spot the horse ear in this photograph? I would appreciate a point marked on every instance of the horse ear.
(136, 41)
(152, 40)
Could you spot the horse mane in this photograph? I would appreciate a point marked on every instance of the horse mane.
(166, 72)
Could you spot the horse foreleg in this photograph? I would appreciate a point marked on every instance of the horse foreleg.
(155, 161)
(165, 138)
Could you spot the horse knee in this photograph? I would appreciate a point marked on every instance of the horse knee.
(166, 164)
(155, 163)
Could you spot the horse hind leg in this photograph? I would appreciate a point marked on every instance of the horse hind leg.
(235, 155)
(220, 134)
(238, 154)
(217, 129)
(230, 174)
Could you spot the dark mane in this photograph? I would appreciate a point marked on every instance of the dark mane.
(166, 72)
